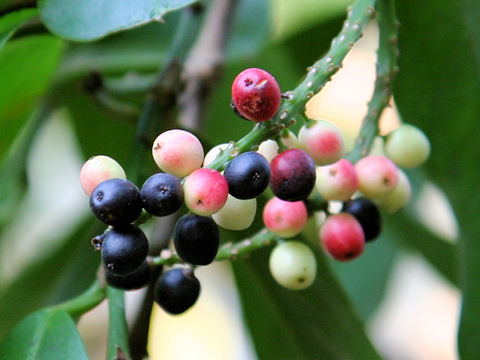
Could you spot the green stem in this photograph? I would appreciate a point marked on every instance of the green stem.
(318, 75)
(117, 325)
(86, 301)
(228, 250)
(387, 55)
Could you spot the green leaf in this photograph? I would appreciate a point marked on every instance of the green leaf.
(316, 323)
(69, 270)
(438, 91)
(10, 22)
(27, 66)
(92, 19)
(48, 334)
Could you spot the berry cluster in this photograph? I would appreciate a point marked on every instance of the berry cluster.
(295, 170)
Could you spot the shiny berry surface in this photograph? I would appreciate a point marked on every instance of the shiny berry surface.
(116, 202)
(177, 290)
(124, 249)
(292, 175)
(248, 175)
(162, 194)
(196, 239)
(256, 95)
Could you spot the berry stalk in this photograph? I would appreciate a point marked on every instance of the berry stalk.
(318, 75)
(227, 251)
(387, 55)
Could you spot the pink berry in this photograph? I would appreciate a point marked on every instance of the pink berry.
(285, 218)
(256, 95)
(342, 237)
(178, 152)
(323, 141)
(337, 181)
(97, 169)
(206, 191)
(377, 176)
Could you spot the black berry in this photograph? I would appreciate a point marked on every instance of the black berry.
(124, 249)
(367, 214)
(131, 281)
(293, 175)
(177, 290)
(196, 239)
(162, 194)
(116, 202)
(247, 175)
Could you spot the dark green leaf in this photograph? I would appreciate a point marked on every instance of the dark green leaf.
(92, 19)
(48, 334)
(316, 323)
(438, 91)
(11, 21)
(26, 68)
(69, 271)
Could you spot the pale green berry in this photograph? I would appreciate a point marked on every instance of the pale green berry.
(407, 146)
(236, 214)
(213, 153)
(398, 197)
(98, 169)
(293, 265)
(269, 149)
(289, 140)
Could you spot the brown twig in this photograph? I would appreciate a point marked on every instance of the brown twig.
(205, 63)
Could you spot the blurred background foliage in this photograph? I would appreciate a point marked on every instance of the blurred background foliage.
(437, 89)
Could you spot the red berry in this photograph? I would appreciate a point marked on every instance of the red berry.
(206, 191)
(256, 95)
(342, 237)
(292, 175)
(337, 181)
(323, 141)
(285, 218)
(377, 176)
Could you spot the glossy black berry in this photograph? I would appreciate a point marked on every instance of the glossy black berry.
(131, 281)
(292, 175)
(116, 202)
(162, 194)
(248, 175)
(177, 290)
(367, 214)
(124, 249)
(196, 239)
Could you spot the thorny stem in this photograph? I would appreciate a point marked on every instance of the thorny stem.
(387, 55)
(294, 105)
(318, 75)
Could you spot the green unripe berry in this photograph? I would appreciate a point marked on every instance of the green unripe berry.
(407, 146)
(293, 265)
(236, 214)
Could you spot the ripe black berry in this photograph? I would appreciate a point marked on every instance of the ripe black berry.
(131, 281)
(124, 249)
(293, 175)
(116, 202)
(162, 194)
(367, 214)
(196, 239)
(247, 175)
(177, 290)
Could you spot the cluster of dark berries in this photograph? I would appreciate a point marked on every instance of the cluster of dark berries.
(313, 163)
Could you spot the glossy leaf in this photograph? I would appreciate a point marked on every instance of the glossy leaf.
(92, 19)
(11, 21)
(25, 73)
(48, 334)
(316, 323)
(439, 93)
